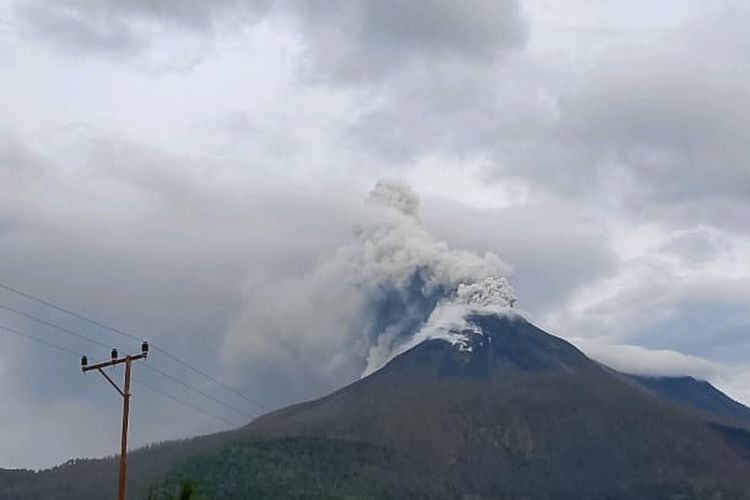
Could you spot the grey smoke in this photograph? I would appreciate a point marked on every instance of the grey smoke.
(354, 310)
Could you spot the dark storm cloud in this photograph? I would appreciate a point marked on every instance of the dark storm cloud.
(656, 133)
(349, 40)
(654, 130)
(456, 109)
(113, 26)
(665, 126)
(696, 246)
(80, 30)
(672, 127)
(430, 69)
(363, 41)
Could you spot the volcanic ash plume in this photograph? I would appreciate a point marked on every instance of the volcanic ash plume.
(392, 285)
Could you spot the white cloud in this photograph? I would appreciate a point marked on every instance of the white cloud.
(637, 360)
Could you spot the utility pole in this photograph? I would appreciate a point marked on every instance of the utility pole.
(125, 393)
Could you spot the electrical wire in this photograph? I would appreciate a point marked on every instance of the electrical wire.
(140, 382)
(213, 379)
(183, 402)
(152, 368)
(130, 336)
(53, 325)
(66, 311)
(198, 391)
(39, 340)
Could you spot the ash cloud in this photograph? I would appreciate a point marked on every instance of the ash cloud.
(373, 296)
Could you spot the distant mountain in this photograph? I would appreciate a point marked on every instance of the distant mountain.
(696, 394)
(498, 409)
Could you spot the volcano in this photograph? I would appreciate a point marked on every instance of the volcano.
(505, 410)
(494, 409)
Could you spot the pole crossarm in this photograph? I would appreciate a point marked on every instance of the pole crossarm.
(125, 393)
(113, 362)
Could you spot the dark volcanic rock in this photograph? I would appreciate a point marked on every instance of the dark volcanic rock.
(696, 394)
(516, 411)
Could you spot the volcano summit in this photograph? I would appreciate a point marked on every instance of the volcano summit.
(509, 411)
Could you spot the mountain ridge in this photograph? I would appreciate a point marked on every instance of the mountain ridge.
(539, 405)
(503, 410)
(697, 394)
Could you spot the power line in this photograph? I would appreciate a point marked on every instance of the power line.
(40, 341)
(156, 370)
(199, 391)
(135, 338)
(213, 379)
(67, 311)
(53, 325)
(182, 402)
(78, 354)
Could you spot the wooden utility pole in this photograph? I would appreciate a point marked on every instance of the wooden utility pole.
(125, 393)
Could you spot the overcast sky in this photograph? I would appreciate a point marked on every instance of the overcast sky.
(174, 167)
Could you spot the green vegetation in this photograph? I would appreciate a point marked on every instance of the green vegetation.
(186, 490)
(306, 468)
(302, 469)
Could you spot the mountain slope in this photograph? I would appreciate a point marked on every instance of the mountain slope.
(697, 394)
(498, 410)
(516, 412)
